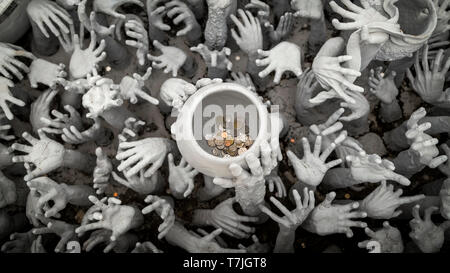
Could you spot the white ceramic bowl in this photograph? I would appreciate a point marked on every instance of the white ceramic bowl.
(196, 152)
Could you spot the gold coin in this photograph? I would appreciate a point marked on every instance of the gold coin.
(248, 143)
(220, 147)
(242, 150)
(232, 148)
(211, 143)
(218, 142)
(233, 153)
(229, 142)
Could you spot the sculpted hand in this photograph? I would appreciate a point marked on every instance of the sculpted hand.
(427, 236)
(156, 14)
(164, 209)
(113, 216)
(37, 247)
(5, 95)
(312, 168)
(263, 10)
(429, 83)
(332, 75)
(138, 182)
(83, 61)
(45, 154)
(8, 62)
(185, 15)
(181, 178)
(382, 86)
(389, 238)
(284, 28)
(47, 14)
(383, 202)
(19, 243)
(243, 177)
(283, 57)
(273, 180)
(141, 154)
(328, 219)
(101, 98)
(224, 217)
(131, 88)
(360, 108)
(135, 29)
(40, 109)
(292, 219)
(65, 231)
(49, 190)
(172, 58)
(373, 169)
(307, 9)
(250, 38)
(215, 58)
(174, 92)
(305, 89)
(91, 22)
(361, 17)
(110, 6)
(244, 80)
(42, 71)
(102, 171)
(421, 143)
(329, 129)
(443, 16)
(62, 121)
(73, 136)
(103, 236)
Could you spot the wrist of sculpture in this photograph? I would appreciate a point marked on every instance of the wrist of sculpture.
(250, 198)
(79, 161)
(390, 112)
(201, 217)
(78, 194)
(285, 241)
(171, 145)
(286, 232)
(195, 34)
(397, 141)
(179, 236)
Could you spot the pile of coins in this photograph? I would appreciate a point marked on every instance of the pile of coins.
(225, 144)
